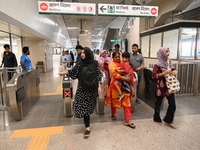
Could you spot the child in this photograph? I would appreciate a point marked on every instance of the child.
(124, 70)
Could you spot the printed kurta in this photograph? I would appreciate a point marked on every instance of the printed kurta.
(160, 88)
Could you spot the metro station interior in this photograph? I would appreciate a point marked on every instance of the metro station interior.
(35, 113)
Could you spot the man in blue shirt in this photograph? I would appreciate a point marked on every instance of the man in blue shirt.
(79, 50)
(63, 61)
(24, 60)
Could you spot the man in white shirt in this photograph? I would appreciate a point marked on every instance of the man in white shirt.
(63, 61)
(96, 55)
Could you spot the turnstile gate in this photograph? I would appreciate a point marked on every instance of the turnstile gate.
(23, 92)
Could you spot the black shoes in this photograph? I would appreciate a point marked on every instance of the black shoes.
(87, 134)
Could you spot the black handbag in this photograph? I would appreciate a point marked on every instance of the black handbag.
(126, 87)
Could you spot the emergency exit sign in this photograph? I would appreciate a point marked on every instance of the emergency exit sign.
(112, 40)
(127, 10)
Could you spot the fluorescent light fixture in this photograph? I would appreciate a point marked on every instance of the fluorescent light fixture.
(72, 28)
(97, 28)
(49, 21)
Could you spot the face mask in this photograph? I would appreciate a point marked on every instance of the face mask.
(28, 53)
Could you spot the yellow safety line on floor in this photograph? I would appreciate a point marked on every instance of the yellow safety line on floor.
(58, 90)
(40, 136)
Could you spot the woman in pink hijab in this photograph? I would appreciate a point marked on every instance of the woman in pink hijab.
(104, 61)
(162, 67)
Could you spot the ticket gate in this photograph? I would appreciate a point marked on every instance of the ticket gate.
(23, 92)
(67, 96)
(146, 87)
(133, 99)
(100, 99)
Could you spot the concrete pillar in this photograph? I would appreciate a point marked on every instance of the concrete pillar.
(85, 32)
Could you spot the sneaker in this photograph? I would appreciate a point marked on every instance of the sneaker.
(120, 97)
(137, 101)
(87, 134)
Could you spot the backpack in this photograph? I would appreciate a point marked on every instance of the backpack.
(89, 77)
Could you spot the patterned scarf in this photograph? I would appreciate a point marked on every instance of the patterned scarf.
(162, 60)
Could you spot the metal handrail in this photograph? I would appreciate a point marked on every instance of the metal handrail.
(188, 76)
(3, 81)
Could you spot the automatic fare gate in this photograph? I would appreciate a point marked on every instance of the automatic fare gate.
(101, 99)
(67, 95)
(23, 92)
(133, 99)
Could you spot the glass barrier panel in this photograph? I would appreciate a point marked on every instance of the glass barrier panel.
(170, 39)
(188, 41)
(145, 46)
(155, 44)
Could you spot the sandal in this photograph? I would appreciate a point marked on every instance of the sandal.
(131, 125)
(159, 123)
(113, 117)
(120, 97)
(171, 125)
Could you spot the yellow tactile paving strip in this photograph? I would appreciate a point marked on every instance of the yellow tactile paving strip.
(58, 90)
(40, 136)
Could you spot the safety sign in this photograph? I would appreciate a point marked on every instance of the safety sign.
(46, 7)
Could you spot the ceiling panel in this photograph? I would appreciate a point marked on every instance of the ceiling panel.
(98, 22)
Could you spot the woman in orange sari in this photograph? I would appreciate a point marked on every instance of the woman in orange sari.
(112, 94)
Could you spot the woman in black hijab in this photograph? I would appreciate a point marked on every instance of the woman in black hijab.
(85, 98)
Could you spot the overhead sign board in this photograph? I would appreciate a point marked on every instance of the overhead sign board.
(45, 7)
(127, 10)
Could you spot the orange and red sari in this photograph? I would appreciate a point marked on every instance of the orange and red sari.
(112, 94)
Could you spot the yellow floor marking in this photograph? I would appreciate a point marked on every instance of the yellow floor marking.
(40, 136)
(58, 90)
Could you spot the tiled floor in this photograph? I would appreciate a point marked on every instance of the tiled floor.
(105, 133)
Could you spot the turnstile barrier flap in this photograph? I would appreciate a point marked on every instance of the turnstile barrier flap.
(20, 94)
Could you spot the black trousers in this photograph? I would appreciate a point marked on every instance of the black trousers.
(170, 110)
(10, 74)
(87, 120)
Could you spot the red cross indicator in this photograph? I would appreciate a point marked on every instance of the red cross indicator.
(67, 93)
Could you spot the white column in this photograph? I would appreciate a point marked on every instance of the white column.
(85, 33)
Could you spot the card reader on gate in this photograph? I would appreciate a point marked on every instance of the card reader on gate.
(66, 82)
(66, 78)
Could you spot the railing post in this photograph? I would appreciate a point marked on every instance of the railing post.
(5, 81)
